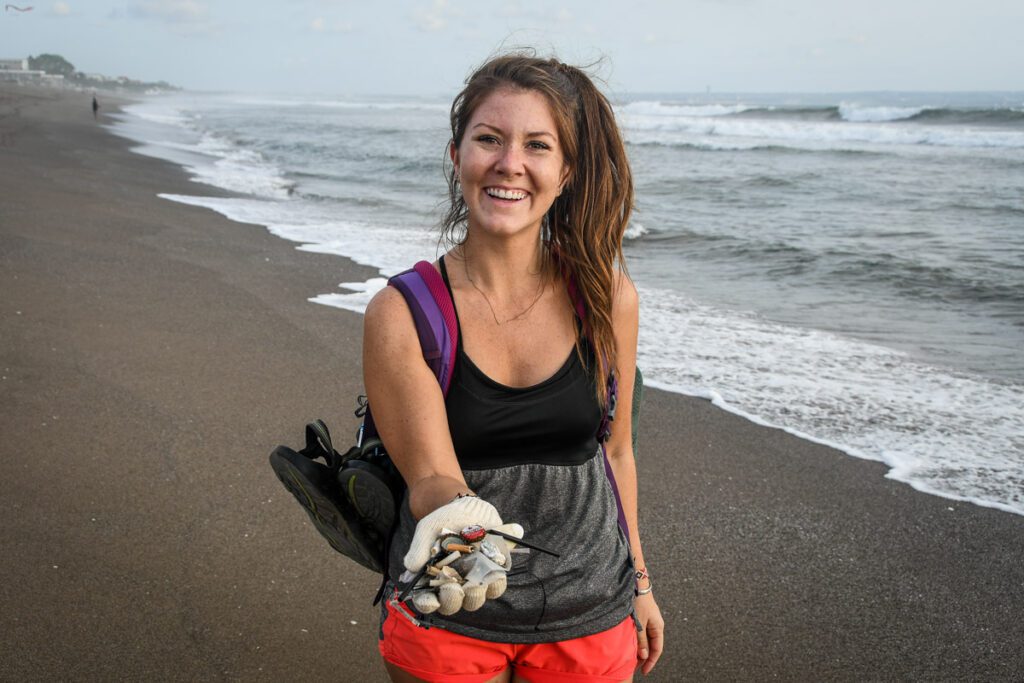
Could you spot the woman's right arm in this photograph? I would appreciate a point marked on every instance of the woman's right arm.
(408, 406)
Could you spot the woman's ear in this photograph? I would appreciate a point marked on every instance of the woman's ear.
(566, 177)
(453, 153)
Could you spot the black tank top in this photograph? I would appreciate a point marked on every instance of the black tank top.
(492, 425)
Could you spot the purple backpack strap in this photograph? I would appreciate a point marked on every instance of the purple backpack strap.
(434, 314)
(605, 429)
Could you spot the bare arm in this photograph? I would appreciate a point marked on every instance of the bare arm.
(408, 406)
(626, 320)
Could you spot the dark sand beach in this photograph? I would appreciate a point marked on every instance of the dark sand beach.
(152, 354)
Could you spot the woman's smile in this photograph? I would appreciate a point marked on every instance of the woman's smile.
(505, 194)
(509, 163)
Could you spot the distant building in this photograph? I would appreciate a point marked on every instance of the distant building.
(17, 71)
(13, 64)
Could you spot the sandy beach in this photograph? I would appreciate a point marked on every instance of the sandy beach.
(152, 354)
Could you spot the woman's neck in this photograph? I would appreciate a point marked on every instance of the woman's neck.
(504, 266)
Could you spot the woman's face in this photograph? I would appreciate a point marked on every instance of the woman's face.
(510, 163)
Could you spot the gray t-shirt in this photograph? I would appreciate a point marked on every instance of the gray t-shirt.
(570, 509)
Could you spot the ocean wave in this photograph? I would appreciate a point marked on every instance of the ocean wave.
(635, 231)
(943, 432)
(848, 111)
(924, 282)
(725, 132)
(861, 114)
(322, 103)
(650, 108)
(993, 116)
(158, 113)
(966, 283)
(210, 158)
(708, 146)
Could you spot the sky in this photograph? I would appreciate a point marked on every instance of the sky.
(428, 47)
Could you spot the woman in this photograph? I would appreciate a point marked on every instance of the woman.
(541, 193)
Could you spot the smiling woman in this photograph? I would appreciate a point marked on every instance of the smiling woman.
(541, 193)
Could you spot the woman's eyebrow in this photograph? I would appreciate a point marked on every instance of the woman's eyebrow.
(532, 134)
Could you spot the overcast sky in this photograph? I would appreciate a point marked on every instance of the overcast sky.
(426, 47)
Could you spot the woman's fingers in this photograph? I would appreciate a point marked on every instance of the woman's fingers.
(655, 641)
(642, 649)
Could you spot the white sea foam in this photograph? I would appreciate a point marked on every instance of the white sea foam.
(157, 111)
(949, 434)
(210, 158)
(814, 134)
(856, 113)
(392, 249)
(259, 101)
(635, 230)
(240, 170)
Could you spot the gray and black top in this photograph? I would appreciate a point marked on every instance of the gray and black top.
(532, 452)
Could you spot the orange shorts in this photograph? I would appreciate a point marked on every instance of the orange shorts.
(435, 654)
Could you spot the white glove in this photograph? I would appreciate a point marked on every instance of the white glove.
(456, 515)
(474, 578)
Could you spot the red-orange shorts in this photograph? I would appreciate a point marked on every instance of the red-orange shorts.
(435, 654)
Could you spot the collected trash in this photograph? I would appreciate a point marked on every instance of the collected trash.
(466, 568)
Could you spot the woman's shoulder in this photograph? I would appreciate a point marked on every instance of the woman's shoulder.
(389, 303)
(389, 319)
(385, 305)
(625, 298)
(388, 322)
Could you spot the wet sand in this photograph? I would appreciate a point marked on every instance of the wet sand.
(152, 354)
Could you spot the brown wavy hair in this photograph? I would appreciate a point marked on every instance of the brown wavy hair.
(583, 229)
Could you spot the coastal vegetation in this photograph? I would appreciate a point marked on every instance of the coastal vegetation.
(57, 65)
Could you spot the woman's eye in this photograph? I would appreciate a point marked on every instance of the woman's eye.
(537, 144)
(487, 139)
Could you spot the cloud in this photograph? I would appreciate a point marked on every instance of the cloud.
(321, 25)
(182, 16)
(170, 11)
(61, 8)
(435, 18)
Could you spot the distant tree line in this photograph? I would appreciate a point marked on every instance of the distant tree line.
(57, 65)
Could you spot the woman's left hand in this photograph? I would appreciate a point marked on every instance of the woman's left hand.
(651, 636)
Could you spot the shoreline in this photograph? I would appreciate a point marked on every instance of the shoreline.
(882, 403)
(154, 353)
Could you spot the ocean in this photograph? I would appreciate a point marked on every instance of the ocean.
(849, 268)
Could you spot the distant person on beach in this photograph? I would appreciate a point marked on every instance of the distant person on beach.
(540, 194)
(95, 106)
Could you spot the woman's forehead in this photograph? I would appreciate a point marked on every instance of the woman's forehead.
(524, 110)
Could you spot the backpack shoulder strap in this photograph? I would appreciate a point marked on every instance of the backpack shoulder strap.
(436, 326)
(434, 314)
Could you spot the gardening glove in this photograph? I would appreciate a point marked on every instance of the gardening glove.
(456, 515)
(479, 576)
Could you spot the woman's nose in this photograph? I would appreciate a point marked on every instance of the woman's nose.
(510, 161)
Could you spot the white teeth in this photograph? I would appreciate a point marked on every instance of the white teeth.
(505, 194)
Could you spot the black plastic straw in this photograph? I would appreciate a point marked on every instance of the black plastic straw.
(519, 541)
